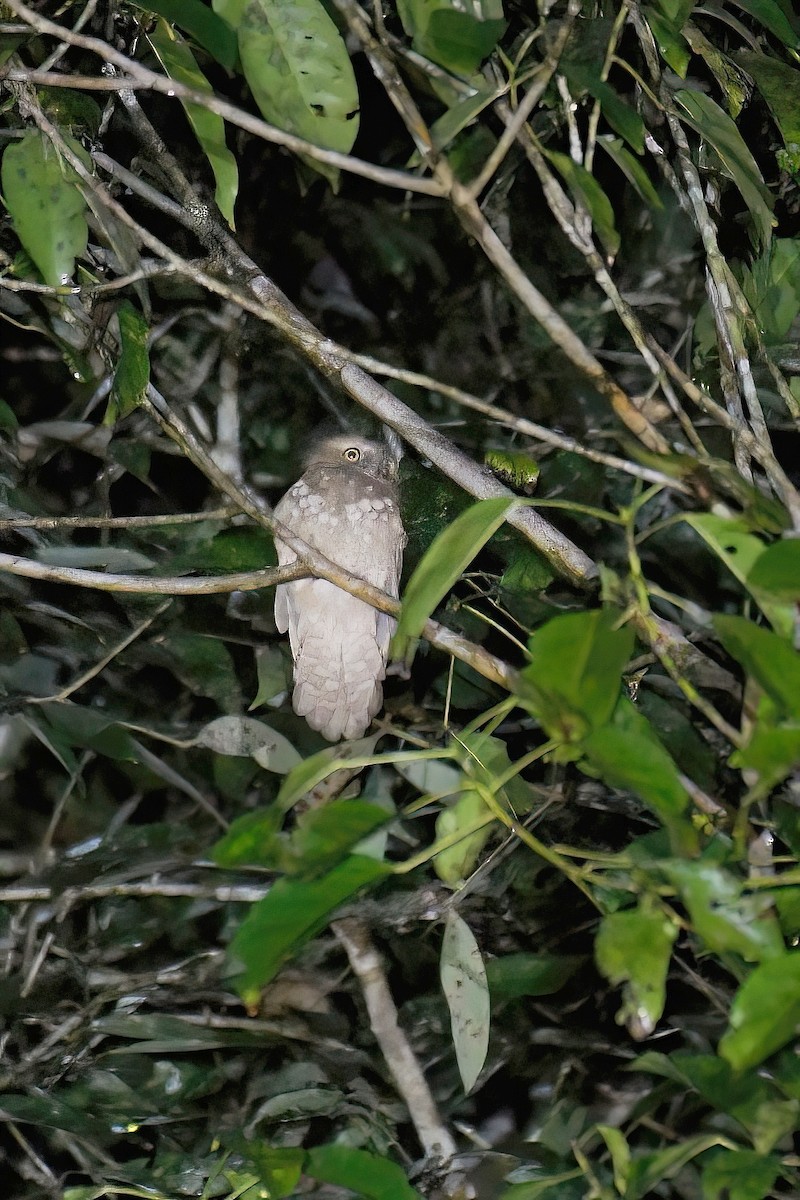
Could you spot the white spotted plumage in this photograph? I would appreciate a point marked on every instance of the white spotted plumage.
(348, 510)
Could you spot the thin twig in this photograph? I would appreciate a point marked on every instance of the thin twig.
(435, 1138)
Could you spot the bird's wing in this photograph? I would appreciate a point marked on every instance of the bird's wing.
(339, 643)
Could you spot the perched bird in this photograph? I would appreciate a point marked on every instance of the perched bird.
(345, 505)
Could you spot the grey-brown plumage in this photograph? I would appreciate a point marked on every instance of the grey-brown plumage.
(345, 505)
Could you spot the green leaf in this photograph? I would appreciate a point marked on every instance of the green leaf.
(456, 36)
(324, 836)
(133, 368)
(633, 948)
(767, 657)
(773, 18)
(585, 189)
(765, 1013)
(726, 919)
(779, 84)
(669, 39)
(46, 205)
(583, 76)
(631, 168)
(442, 564)
(50, 1111)
(650, 1169)
(777, 571)
(738, 1174)
(717, 128)
(740, 549)
(359, 1171)
(620, 1153)
(626, 753)
(455, 863)
(525, 974)
(467, 993)
(299, 71)
(573, 681)
(179, 63)
(773, 752)
(207, 29)
(292, 913)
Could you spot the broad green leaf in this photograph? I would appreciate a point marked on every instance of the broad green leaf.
(717, 128)
(620, 1153)
(620, 116)
(779, 84)
(740, 549)
(321, 838)
(207, 29)
(767, 657)
(467, 993)
(765, 1013)
(772, 283)
(46, 205)
(293, 911)
(727, 919)
(752, 1100)
(573, 680)
(249, 737)
(50, 1111)
(253, 840)
(457, 36)
(456, 862)
(280, 1167)
(631, 168)
(525, 974)
(633, 949)
(773, 751)
(738, 1174)
(324, 836)
(299, 71)
(442, 564)
(651, 1169)
(777, 571)
(626, 753)
(585, 188)
(773, 18)
(133, 366)
(359, 1171)
(669, 39)
(179, 63)
(445, 128)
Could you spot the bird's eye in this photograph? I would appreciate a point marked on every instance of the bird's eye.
(352, 454)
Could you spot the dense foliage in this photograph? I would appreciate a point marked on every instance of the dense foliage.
(565, 859)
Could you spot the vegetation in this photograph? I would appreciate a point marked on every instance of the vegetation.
(536, 934)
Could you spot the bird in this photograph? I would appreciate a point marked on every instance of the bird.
(346, 505)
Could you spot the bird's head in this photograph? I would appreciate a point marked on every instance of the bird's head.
(352, 450)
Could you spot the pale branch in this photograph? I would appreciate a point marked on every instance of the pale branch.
(140, 522)
(152, 585)
(434, 1136)
(502, 416)
(67, 897)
